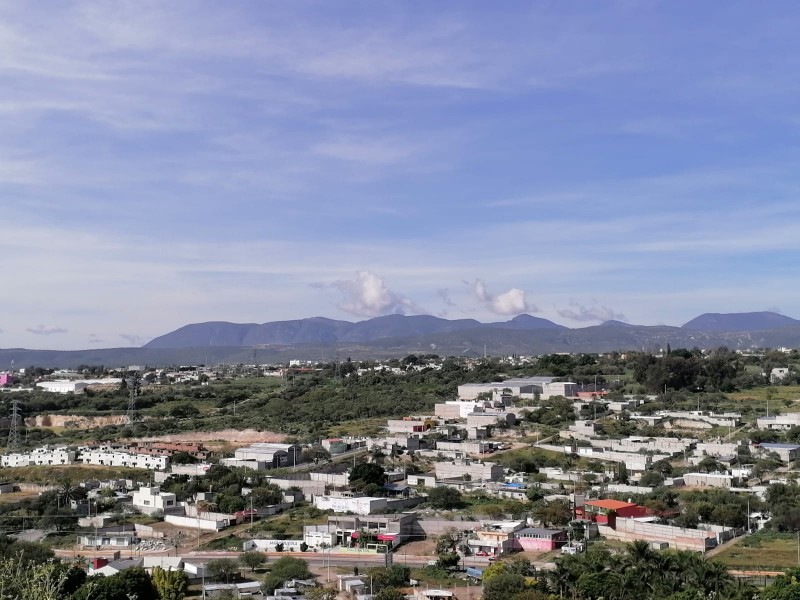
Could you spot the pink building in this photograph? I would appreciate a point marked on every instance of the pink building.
(6, 379)
(539, 539)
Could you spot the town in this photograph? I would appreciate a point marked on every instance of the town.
(517, 475)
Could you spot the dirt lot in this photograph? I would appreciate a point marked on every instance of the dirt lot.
(227, 438)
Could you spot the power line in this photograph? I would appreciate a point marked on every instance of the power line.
(13, 430)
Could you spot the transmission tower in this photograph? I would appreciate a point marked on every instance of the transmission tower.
(133, 383)
(13, 429)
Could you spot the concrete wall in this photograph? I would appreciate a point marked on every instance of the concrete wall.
(194, 523)
(629, 530)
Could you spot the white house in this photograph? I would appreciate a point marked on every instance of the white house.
(151, 499)
(40, 456)
(109, 457)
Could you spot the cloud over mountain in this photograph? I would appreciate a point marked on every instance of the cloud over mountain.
(511, 302)
(582, 313)
(368, 296)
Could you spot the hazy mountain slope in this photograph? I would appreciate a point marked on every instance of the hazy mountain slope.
(525, 322)
(751, 321)
(213, 333)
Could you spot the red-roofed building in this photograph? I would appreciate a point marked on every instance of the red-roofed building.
(605, 512)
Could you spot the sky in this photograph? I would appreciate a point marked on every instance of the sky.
(166, 163)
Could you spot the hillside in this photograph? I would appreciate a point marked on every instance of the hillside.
(752, 321)
(319, 330)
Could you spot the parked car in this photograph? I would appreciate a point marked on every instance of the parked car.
(481, 553)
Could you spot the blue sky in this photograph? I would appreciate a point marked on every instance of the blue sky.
(163, 163)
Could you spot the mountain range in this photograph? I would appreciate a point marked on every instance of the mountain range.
(319, 338)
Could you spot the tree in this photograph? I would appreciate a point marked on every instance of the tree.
(170, 585)
(252, 560)
(130, 583)
(290, 567)
(390, 594)
(448, 560)
(651, 479)
(503, 586)
(223, 568)
(445, 498)
(388, 577)
(555, 512)
(321, 593)
(367, 473)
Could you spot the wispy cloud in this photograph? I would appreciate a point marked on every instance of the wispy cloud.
(593, 312)
(132, 338)
(45, 330)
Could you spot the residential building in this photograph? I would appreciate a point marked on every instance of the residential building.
(407, 426)
(151, 499)
(362, 505)
(786, 452)
(109, 457)
(465, 468)
(779, 422)
(540, 539)
(606, 512)
(496, 538)
(395, 528)
(39, 456)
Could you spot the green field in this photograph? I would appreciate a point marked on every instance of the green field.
(762, 552)
(777, 394)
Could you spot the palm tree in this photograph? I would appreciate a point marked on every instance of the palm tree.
(66, 492)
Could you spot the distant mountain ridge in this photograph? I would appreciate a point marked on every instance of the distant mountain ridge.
(396, 336)
(321, 330)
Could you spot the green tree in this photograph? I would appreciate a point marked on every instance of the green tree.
(170, 585)
(290, 567)
(224, 568)
(503, 586)
(445, 498)
(364, 474)
(266, 495)
(252, 560)
(554, 512)
(390, 594)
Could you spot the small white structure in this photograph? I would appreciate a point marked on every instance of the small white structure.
(779, 422)
(151, 499)
(364, 505)
(778, 374)
(63, 386)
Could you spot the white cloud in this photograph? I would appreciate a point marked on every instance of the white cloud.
(45, 330)
(594, 312)
(368, 296)
(132, 338)
(511, 302)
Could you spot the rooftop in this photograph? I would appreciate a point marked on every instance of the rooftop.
(609, 504)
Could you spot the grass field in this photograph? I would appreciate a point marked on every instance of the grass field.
(777, 394)
(762, 551)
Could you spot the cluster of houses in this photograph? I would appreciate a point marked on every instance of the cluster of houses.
(154, 456)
